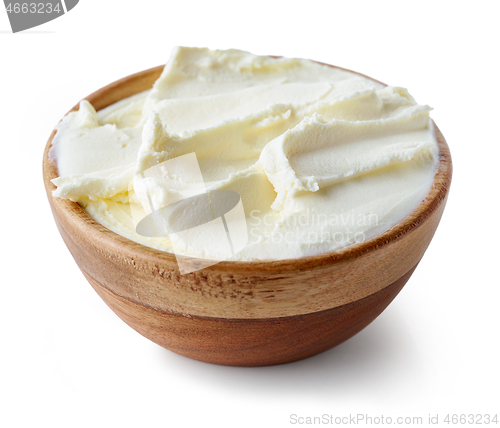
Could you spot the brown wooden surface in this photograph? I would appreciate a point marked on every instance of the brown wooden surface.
(148, 278)
(252, 342)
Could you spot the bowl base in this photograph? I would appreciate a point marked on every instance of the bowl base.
(251, 342)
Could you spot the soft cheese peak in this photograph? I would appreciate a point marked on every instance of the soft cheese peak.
(321, 157)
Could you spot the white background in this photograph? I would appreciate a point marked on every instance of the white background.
(67, 361)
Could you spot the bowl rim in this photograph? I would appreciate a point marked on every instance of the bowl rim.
(437, 193)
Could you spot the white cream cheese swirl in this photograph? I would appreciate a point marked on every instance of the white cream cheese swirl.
(321, 158)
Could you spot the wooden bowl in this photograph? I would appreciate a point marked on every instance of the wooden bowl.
(245, 313)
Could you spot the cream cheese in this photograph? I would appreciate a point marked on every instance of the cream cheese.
(320, 158)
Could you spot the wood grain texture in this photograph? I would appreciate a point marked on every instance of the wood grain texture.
(132, 278)
(252, 342)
